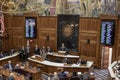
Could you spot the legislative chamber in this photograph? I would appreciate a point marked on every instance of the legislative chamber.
(59, 39)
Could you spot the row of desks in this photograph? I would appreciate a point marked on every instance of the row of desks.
(51, 67)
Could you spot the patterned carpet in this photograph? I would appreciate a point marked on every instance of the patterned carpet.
(102, 74)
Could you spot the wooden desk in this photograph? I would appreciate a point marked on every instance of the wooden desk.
(13, 58)
(6, 73)
(51, 67)
(32, 71)
(53, 56)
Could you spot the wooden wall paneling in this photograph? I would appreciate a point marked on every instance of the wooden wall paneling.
(53, 40)
(89, 25)
(43, 38)
(17, 22)
(17, 39)
(118, 30)
(118, 47)
(94, 25)
(47, 23)
(45, 41)
(84, 24)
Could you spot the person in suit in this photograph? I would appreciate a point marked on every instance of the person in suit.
(22, 54)
(1, 55)
(85, 75)
(63, 47)
(9, 66)
(61, 73)
(27, 49)
(55, 77)
(44, 52)
(74, 75)
(49, 49)
(67, 61)
(12, 51)
(11, 77)
(36, 50)
(79, 61)
(1, 77)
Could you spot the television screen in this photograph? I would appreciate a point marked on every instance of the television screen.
(107, 32)
(30, 27)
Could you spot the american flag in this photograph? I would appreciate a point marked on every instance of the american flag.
(2, 24)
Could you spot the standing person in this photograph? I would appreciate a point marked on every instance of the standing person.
(36, 50)
(22, 54)
(44, 52)
(27, 50)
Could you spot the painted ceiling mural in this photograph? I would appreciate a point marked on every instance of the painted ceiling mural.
(84, 8)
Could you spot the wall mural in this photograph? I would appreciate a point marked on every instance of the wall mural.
(84, 8)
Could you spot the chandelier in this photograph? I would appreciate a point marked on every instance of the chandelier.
(18, 6)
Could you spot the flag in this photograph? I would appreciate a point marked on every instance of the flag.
(2, 24)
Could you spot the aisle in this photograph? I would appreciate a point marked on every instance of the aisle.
(102, 74)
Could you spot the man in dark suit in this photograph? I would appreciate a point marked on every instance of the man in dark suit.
(9, 66)
(67, 61)
(36, 50)
(22, 54)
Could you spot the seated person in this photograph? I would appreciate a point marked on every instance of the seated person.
(55, 77)
(36, 50)
(9, 66)
(1, 77)
(49, 49)
(64, 48)
(57, 60)
(67, 61)
(74, 75)
(79, 61)
(61, 73)
(118, 68)
(11, 77)
(1, 55)
(12, 51)
(85, 75)
(17, 66)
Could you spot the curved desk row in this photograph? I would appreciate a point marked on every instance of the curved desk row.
(13, 58)
(61, 56)
(49, 66)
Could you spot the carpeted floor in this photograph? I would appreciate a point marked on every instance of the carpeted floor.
(102, 74)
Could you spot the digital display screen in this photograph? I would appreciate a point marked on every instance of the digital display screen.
(30, 27)
(107, 32)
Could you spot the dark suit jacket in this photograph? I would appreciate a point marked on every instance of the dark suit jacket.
(8, 67)
(62, 74)
(37, 51)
